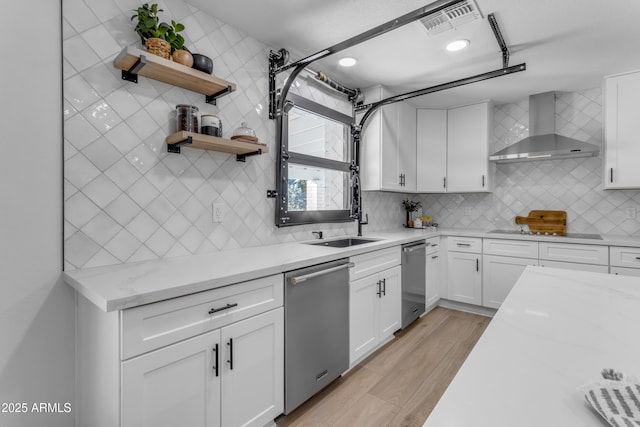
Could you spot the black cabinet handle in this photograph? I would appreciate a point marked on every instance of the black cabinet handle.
(444, 182)
(384, 287)
(477, 264)
(482, 181)
(434, 257)
(379, 291)
(217, 359)
(226, 307)
(230, 361)
(611, 173)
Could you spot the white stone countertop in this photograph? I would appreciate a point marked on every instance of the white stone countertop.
(128, 285)
(555, 332)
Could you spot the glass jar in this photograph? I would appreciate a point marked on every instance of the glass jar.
(210, 125)
(186, 118)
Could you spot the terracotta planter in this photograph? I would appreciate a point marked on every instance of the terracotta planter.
(183, 57)
(158, 47)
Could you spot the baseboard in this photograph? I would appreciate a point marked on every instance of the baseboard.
(468, 308)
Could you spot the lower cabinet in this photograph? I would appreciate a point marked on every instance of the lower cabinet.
(219, 362)
(375, 304)
(464, 279)
(228, 377)
(500, 273)
(625, 271)
(433, 274)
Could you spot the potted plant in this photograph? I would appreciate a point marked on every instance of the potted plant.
(158, 37)
(410, 206)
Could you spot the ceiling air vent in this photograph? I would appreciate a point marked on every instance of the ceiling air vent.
(451, 17)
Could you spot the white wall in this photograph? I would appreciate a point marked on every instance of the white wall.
(36, 307)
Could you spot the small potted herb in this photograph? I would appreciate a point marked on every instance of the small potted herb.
(158, 37)
(410, 206)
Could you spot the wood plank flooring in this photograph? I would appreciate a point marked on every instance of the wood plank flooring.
(401, 383)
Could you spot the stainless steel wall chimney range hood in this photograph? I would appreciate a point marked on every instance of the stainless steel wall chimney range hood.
(543, 143)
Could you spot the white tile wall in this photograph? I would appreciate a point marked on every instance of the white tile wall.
(126, 198)
(573, 185)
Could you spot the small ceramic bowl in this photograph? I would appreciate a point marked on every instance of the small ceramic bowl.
(202, 63)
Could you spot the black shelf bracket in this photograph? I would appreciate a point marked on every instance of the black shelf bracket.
(131, 75)
(243, 157)
(211, 99)
(175, 148)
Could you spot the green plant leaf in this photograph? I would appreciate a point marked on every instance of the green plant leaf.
(178, 27)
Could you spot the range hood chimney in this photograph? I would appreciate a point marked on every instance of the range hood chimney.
(543, 143)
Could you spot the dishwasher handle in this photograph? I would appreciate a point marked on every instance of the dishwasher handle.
(414, 248)
(299, 279)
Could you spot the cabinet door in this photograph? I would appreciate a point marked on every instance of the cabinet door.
(390, 303)
(464, 280)
(626, 271)
(363, 309)
(498, 277)
(390, 149)
(621, 131)
(253, 370)
(575, 266)
(174, 386)
(431, 151)
(407, 146)
(432, 292)
(467, 156)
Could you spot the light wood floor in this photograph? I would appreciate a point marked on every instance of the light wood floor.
(399, 384)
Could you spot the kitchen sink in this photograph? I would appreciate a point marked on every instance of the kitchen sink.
(343, 243)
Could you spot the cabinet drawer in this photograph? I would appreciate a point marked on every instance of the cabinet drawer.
(513, 248)
(373, 262)
(162, 323)
(625, 257)
(625, 271)
(433, 245)
(587, 254)
(465, 244)
(575, 266)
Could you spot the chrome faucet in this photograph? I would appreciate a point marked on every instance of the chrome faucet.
(318, 234)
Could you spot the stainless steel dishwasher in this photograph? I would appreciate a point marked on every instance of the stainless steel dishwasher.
(413, 281)
(316, 329)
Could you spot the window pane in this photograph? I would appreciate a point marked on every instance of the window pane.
(317, 189)
(318, 136)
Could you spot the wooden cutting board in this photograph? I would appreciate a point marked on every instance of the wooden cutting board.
(545, 222)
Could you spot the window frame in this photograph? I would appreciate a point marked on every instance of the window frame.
(283, 216)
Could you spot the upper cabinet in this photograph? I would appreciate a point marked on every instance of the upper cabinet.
(389, 146)
(621, 131)
(431, 151)
(452, 149)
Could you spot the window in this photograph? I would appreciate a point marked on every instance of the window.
(314, 171)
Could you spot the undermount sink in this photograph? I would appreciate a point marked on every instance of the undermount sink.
(343, 243)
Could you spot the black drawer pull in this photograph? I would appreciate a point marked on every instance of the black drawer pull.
(215, 368)
(226, 307)
(230, 361)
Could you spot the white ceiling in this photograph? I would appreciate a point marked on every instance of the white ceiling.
(568, 45)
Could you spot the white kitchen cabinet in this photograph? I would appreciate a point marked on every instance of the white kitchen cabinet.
(468, 137)
(452, 149)
(625, 271)
(574, 253)
(431, 151)
(499, 275)
(464, 278)
(210, 380)
(210, 358)
(374, 312)
(621, 131)
(433, 272)
(388, 157)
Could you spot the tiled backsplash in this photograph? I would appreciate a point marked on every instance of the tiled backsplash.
(126, 198)
(573, 185)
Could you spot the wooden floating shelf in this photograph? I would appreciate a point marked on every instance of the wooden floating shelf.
(214, 143)
(158, 68)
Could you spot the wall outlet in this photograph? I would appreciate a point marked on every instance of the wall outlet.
(630, 213)
(218, 212)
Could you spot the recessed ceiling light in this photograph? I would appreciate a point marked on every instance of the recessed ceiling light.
(347, 61)
(457, 45)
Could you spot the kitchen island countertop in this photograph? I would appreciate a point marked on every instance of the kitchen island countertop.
(556, 331)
